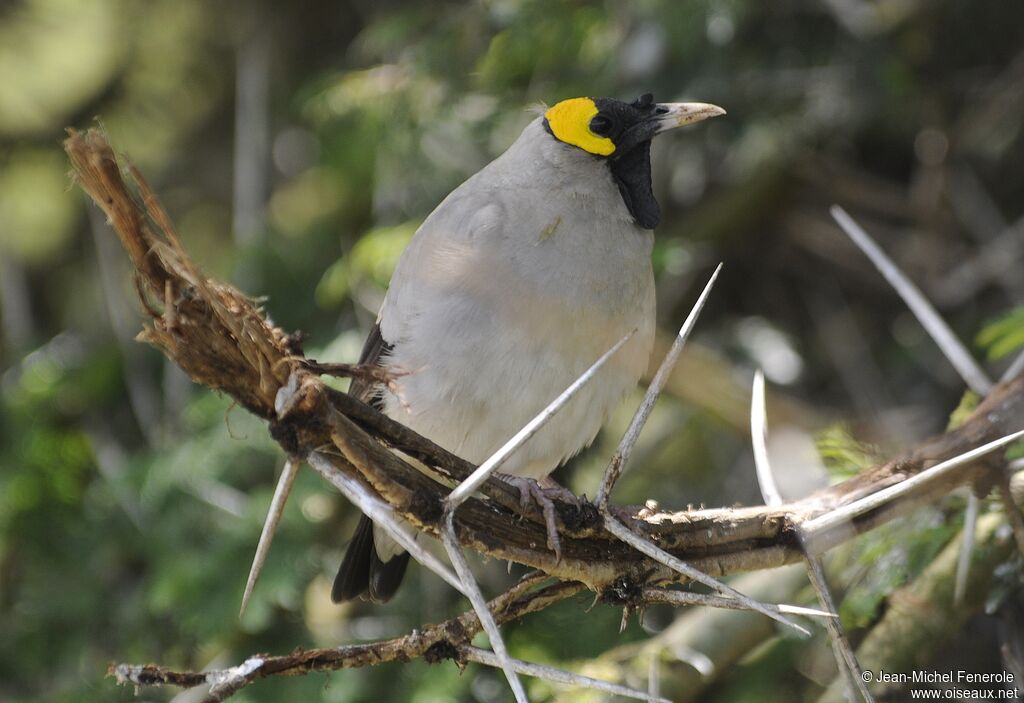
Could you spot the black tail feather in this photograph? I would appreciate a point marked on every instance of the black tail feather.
(353, 579)
(362, 571)
(386, 577)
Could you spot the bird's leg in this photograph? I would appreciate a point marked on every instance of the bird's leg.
(538, 491)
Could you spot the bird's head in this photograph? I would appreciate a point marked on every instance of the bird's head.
(620, 133)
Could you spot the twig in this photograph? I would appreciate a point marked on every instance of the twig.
(227, 682)
(482, 656)
(461, 492)
(621, 456)
(274, 513)
(472, 591)
(370, 373)
(433, 642)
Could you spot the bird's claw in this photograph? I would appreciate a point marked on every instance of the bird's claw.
(531, 490)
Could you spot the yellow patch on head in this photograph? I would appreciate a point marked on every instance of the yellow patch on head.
(570, 123)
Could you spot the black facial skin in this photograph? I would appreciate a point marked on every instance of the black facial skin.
(631, 126)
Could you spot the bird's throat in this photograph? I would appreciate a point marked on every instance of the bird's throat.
(632, 173)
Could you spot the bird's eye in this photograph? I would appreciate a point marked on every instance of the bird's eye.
(601, 125)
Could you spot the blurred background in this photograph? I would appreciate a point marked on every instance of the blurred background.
(298, 146)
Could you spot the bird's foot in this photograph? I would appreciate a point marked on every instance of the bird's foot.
(541, 492)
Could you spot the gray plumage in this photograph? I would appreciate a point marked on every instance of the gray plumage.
(512, 287)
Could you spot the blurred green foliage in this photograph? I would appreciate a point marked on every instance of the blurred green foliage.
(1003, 336)
(131, 502)
(886, 560)
(841, 453)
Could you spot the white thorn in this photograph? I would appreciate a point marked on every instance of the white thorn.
(465, 489)
(482, 656)
(383, 515)
(274, 513)
(963, 564)
(954, 350)
(846, 513)
(662, 595)
(759, 441)
(1015, 369)
(654, 676)
(846, 658)
(636, 425)
(472, 591)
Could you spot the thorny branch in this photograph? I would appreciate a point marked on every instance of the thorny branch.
(221, 339)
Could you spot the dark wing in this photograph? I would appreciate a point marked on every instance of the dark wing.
(362, 571)
(353, 579)
(374, 350)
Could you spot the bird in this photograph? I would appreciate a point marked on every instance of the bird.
(509, 290)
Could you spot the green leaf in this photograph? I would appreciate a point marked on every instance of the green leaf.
(1004, 335)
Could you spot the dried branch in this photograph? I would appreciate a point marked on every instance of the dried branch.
(847, 513)
(219, 338)
(213, 332)
(434, 643)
